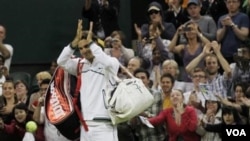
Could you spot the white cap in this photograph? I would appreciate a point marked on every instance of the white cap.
(154, 8)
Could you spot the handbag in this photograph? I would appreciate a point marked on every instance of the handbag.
(130, 98)
(61, 108)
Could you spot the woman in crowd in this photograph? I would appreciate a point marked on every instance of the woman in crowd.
(8, 101)
(40, 76)
(230, 116)
(181, 121)
(212, 116)
(193, 47)
(236, 101)
(22, 89)
(17, 126)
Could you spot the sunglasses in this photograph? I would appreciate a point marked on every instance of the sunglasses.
(153, 12)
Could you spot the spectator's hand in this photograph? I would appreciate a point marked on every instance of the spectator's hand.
(6, 110)
(210, 115)
(227, 21)
(180, 108)
(78, 36)
(108, 41)
(157, 33)
(245, 101)
(180, 29)
(116, 43)
(224, 101)
(41, 100)
(137, 30)
(207, 49)
(196, 28)
(216, 47)
(193, 99)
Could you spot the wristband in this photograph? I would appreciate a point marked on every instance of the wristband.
(90, 43)
(74, 48)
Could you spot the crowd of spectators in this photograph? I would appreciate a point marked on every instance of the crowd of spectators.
(193, 56)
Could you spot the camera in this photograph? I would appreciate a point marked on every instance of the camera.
(240, 52)
(185, 29)
(148, 40)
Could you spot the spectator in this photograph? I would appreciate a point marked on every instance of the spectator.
(167, 83)
(6, 50)
(145, 46)
(212, 116)
(206, 23)
(104, 14)
(117, 49)
(149, 134)
(40, 76)
(236, 101)
(8, 101)
(170, 66)
(156, 18)
(233, 28)
(155, 51)
(214, 8)
(212, 60)
(180, 120)
(3, 73)
(22, 92)
(17, 127)
(246, 104)
(133, 64)
(195, 97)
(191, 49)
(176, 14)
(229, 116)
(241, 66)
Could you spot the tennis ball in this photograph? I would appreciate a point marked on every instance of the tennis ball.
(31, 126)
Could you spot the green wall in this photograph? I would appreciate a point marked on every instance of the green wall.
(39, 29)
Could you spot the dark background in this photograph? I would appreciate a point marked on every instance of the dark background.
(39, 29)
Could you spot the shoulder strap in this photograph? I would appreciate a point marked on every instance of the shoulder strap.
(117, 79)
(76, 95)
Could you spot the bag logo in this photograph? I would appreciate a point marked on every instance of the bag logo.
(55, 103)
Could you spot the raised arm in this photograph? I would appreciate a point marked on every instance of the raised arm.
(173, 47)
(225, 65)
(65, 58)
(194, 63)
(37, 112)
(159, 119)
